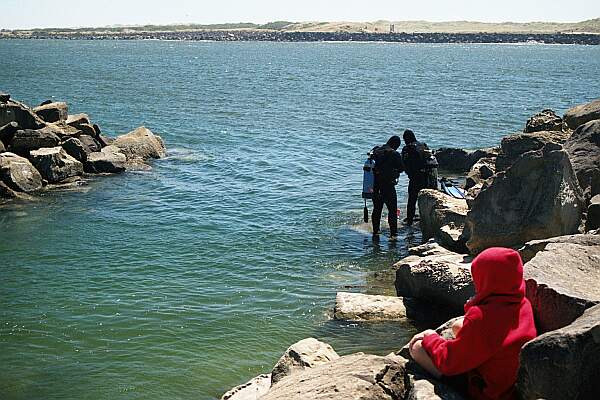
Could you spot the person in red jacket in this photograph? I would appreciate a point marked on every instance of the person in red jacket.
(498, 321)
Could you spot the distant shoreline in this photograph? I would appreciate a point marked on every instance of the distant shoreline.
(282, 36)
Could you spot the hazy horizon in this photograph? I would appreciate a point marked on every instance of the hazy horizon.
(32, 14)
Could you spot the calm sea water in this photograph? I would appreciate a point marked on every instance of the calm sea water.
(185, 280)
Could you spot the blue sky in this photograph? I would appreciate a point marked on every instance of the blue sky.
(16, 14)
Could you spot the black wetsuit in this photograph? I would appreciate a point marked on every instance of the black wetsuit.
(415, 169)
(388, 166)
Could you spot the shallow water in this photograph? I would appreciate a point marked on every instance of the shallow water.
(185, 280)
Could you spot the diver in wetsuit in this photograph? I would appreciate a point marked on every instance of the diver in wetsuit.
(414, 165)
(388, 166)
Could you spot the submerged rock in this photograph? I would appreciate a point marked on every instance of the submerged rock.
(583, 113)
(563, 364)
(18, 173)
(52, 112)
(563, 279)
(55, 165)
(536, 198)
(363, 307)
(583, 148)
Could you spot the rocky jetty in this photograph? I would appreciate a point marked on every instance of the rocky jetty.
(537, 192)
(45, 145)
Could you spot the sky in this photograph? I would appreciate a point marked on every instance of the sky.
(22, 14)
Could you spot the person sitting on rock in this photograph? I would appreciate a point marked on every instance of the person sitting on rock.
(498, 321)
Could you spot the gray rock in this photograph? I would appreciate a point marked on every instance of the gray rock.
(353, 377)
(547, 120)
(563, 364)
(583, 113)
(19, 113)
(7, 132)
(363, 307)
(54, 164)
(307, 353)
(593, 214)
(251, 390)
(18, 173)
(583, 148)
(536, 198)
(441, 277)
(63, 130)
(451, 237)
(514, 146)
(29, 139)
(531, 248)
(4, 97)
(451, 159)
(76, 149)
(77, 119)
(438, 209)
(563, 280)
(482, 170)
(140, 144)
(2, 148)
(52, 112)
(423, 387)
(90, 142)
(109, 160)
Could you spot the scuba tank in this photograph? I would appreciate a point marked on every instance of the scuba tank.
(368, 183)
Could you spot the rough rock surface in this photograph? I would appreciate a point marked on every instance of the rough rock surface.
(77, 119)
(451, 237)
(90, 142)
(537, 197)
(513, 146)
(563, 280)
(563, 364)
(593, 214)
(76, 149)
(547, 120)
(140, 144)
(306, 353)
(353, 377)
(440, 276)
(2, 148)
(52, 112)
(7, 132)
(531, 248)
(4, 97)
(583, 113)
(55, 164)
(109, 160)
(18, 173)
(482, 170)
(426, 388)
(29, 139)
(251, 390)
(583, 148)
(438, 209)
(19, 113)
(362, 307)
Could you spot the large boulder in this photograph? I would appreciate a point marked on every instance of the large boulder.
(307, 353)
(563, 364)
(363, 307)
(439, 276)
(437, 210)
(91, 143)
(533, 247)
(140, 145)
(593, 215)
(55, 164)
(4, 97)
(32, 139)
(76, 149)
(546, 120)
(7, 132)
(18, 173)
(77, 119)
(482, 170)
(514, 146)
(109, 160)
(2, 148)
(353, 377)
(583, 113)
(583, 148)
(251, 390)
(537, 197)
(451, 159)
(63, 130)
(14, 111)
(52, 112)
(563, 280)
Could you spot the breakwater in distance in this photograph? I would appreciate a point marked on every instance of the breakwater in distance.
(276, 36)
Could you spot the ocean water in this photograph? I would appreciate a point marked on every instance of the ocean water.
(185, 280)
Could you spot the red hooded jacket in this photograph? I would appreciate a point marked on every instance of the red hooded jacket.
(498, 322)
